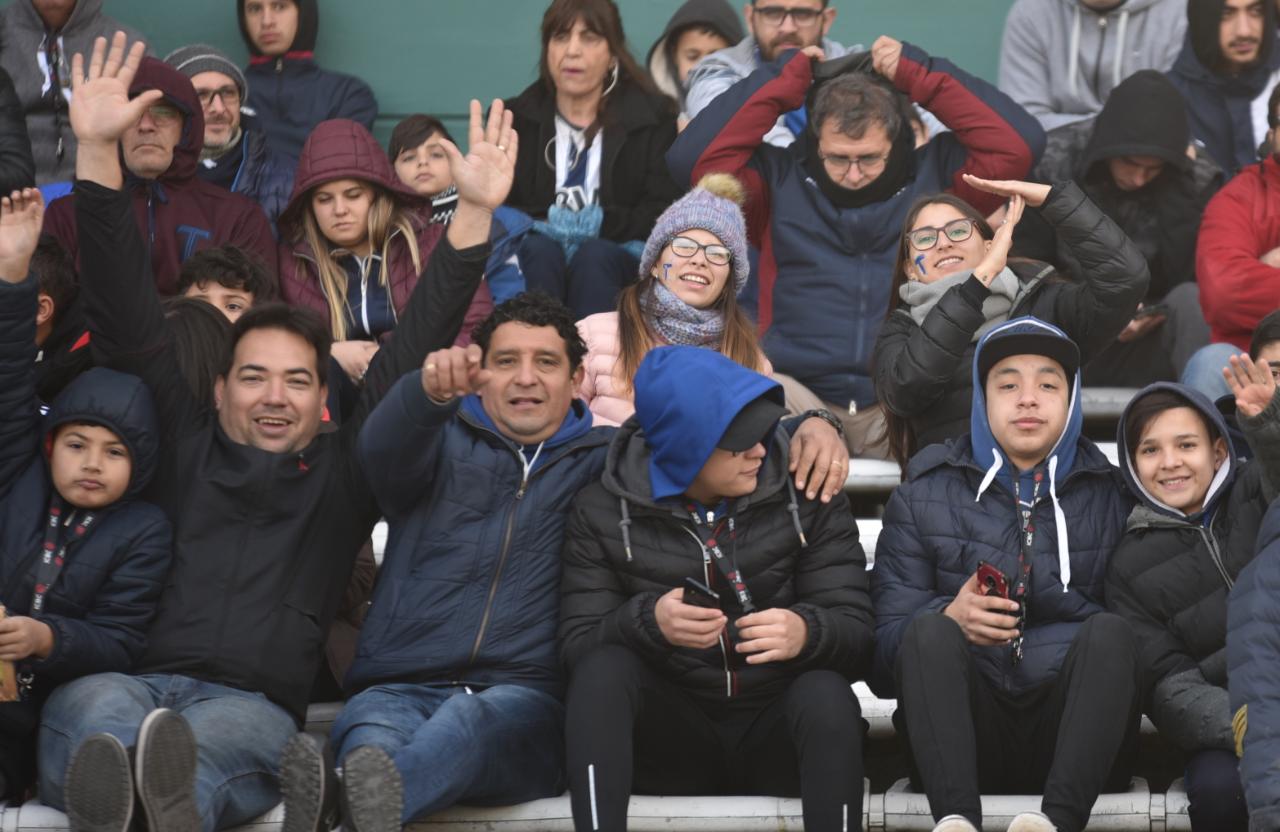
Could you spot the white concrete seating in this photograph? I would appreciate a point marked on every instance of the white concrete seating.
(879, 476)
(1105, 402)
(902, 810)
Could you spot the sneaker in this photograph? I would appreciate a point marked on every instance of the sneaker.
(955, 823)
(98, 787)
(167, 772)
(372, 794)
(307, 781)
(1031, 822)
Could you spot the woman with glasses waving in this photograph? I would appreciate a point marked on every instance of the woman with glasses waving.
(953, 282)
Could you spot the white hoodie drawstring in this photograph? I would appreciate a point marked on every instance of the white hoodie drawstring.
(1117, 74)
(1059, 520)
(1073, 51)
(990, 476)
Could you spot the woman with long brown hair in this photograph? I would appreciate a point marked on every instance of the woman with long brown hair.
(594, 131)
(953, 281)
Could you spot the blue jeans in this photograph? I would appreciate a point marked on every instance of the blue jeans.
(1204, 371)
(498, 746)
(239, 736)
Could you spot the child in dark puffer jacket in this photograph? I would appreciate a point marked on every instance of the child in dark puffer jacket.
(82, 561)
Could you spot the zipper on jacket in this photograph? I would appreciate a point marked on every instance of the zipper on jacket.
(1214, 554)
(724, 636)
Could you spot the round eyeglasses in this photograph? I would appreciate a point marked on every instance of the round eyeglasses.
(715, 253)
(957, 231)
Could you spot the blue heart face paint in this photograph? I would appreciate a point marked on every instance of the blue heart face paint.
(920, 264)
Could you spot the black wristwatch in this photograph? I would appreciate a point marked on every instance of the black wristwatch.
(826, 416)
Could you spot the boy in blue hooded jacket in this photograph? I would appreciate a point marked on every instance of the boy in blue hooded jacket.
(751, 692)
(988, 590)
(82, 560)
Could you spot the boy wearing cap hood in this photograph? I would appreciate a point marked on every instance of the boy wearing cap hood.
(985, 682)
(82, 559)
(751, 692)
(178, 213)
(1193, 531)
(289, 92)
(1132, 162)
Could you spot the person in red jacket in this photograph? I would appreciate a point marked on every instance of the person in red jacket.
(354, 240)
(1238, 263)
(178, 213)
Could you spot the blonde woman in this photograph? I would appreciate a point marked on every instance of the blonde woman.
(355, 240)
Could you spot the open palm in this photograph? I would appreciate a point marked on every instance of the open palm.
(1251, 383)
(100, 106)
(484, 176)
(21, 216)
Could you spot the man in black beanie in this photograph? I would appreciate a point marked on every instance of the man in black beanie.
(1132, 161)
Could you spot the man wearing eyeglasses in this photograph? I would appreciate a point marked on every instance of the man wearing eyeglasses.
(177, 213)
(235, 154)
(827, 212)
(775, 26)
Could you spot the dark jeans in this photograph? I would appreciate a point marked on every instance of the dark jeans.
(587, 284)
(497, 746)
(967, 739)
(17, 749)
(628, 727)
(1215, 792)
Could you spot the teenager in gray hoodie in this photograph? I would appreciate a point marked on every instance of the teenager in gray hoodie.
(1061, 58)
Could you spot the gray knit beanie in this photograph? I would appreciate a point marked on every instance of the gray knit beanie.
(200, 57)
(714, 205)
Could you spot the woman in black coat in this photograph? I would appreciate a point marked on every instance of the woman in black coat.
(953, 282)
(593, 133)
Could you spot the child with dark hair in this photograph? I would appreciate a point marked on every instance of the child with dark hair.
(82, 560)
(200, 336)
(61, 337)
(227, 277)
(1192, 532)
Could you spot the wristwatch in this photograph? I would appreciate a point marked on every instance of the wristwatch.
(826, 416)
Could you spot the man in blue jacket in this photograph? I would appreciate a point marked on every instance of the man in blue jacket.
(827, 212)
(474, 459)
(988, 598)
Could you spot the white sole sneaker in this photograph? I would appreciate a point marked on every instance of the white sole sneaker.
(1031, 822)
(955, 823)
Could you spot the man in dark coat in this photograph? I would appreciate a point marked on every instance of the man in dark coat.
(17, 169)
(475, 458)
(1226, 70)
(177, 213)
(988, 592)
(235, 153)
(1132, 162)
(290, 94)
(744, 685)
(269, 512)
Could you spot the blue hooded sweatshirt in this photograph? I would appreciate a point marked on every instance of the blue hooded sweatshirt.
(682, 429)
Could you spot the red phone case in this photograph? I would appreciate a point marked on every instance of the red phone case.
(991, 581)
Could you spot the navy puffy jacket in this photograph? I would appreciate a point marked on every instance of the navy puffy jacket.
(469, 591)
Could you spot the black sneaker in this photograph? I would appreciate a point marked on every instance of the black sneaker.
(372, 794)
(98, 787)
(167, 772)
(307, 781)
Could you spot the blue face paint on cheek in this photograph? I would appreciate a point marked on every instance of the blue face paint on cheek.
(666, 272)
(920, 264)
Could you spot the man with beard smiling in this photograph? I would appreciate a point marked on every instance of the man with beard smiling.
(1226, 70)
(268, 511)
(775, 26)
(235, 154)
(827, 212)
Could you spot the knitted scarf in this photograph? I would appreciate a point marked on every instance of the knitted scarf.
(922, 297)
(676, 322)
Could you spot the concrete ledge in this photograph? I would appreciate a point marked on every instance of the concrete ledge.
(906, 810)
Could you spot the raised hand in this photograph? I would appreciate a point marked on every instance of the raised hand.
(1252, 384)
(885, 54)
(455, 371)
(1033, 192)
(993, 262)
(21, 217)
(484, 176)
(100, 106)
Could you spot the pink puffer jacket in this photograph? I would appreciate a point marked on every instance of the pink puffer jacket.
(600, 389)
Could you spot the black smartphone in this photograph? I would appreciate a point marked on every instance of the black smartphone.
(1151, 311)
(698, 594)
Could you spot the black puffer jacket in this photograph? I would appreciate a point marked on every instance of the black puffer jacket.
(635, 186)
(924, 374)
(615, 571)
(1171, 574)
(17, 168)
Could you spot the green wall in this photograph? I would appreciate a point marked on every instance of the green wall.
(435, 55)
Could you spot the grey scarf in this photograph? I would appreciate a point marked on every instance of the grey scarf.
(921, 297)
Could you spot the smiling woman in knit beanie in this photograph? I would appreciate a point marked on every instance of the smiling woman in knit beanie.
(693, 268)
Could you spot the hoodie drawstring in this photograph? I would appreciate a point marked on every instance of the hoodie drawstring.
(794, 508)
(625, 525)
(1116, 73)
(1073, 52)
(990, 476)
(1060, 521)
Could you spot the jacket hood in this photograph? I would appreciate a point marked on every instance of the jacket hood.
(716, 15)
(1202, 51)
(120, 403)
(155, 74)
(86, 13)
(576, 424)
(341, 149)
(1058, 462)
(1222, 480)
(1144, 116)
(305, 39)
(681, 426)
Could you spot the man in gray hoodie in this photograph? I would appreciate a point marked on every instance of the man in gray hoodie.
(1061, 58)
(39, 38)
